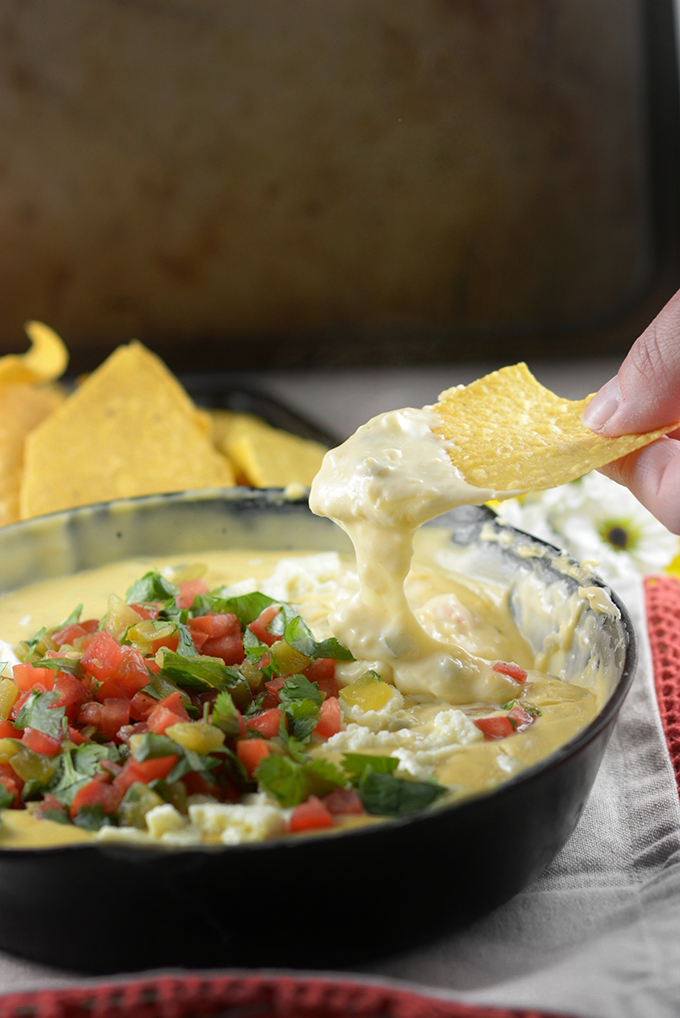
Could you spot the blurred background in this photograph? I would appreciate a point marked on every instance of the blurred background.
(287, 184)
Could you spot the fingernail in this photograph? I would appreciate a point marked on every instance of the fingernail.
(602, 406)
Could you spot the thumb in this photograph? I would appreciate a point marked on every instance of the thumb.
(646, 392)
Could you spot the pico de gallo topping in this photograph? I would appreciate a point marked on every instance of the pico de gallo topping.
(180, 698)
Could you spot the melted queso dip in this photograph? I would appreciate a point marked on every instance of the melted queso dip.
(438, 678)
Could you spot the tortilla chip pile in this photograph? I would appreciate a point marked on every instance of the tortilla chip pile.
(512, 435)
(129, 429)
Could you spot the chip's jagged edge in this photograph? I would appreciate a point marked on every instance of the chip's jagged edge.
(512, 435)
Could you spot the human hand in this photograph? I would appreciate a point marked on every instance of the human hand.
(646, 395)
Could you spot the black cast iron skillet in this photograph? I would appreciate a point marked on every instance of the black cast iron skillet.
(308, 901)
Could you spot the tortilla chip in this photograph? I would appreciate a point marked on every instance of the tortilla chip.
(22, 408)
(44, 361)
(267, 457)
(130, 429)
(224, 425)
(512, 435)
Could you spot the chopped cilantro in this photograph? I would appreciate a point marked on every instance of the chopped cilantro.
(58, 816)
(204, 674)
(61, 664)
(151, 587)
(298, 720)
(299, 636)
(225, 714)
(283, 778)
(91, 818)
(388, 795)
(297, 687)
(255, 706)
(246, 607)
(6, 797)
(78, 766)
(151, 746)
(357, 763)
(71, 619)
(40, 713)
(291, 782)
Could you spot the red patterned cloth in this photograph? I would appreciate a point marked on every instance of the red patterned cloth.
(249, 996)
(262, 996)
(662, 596)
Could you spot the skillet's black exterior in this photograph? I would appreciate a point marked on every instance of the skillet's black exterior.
(316, 901)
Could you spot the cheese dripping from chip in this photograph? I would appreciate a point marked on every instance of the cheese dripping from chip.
(501, 436)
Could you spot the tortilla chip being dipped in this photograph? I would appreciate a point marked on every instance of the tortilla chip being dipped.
(512, 435)
(130, 429)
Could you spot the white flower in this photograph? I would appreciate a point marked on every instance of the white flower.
(596, 519)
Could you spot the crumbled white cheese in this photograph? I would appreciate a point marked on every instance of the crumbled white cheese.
(236, 823)
(507, 763)
(163, 819)
(419, 751)
(110, 833)
(320, 576)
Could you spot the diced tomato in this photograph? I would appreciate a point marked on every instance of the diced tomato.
(96, 793)
(13, 786)
(322, 671)
(271, 697)
(507, 668)
(267, 723)
(188, 591)
(167, 711)
(495, 728)
(343, 800)
(145, 771)
(171, 642)
(74, 631)
(69, 634)
(521, 717)
(28, 676)
(229, 648)
(127, 731)
(259, 625)
(115, 714)
(39, 742)
(141, 706)
(49, 802)
(216, 624)
(103, 656)
(131, 674)
(7, 730)
(76, 737)
(108, 688)
(310, 815)
(71, 691)
(330, 718)
(197, 784)
(146, 609)
(251, 751)
(199, 639)
(223, 636)
(90, 714)
(152, 665)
